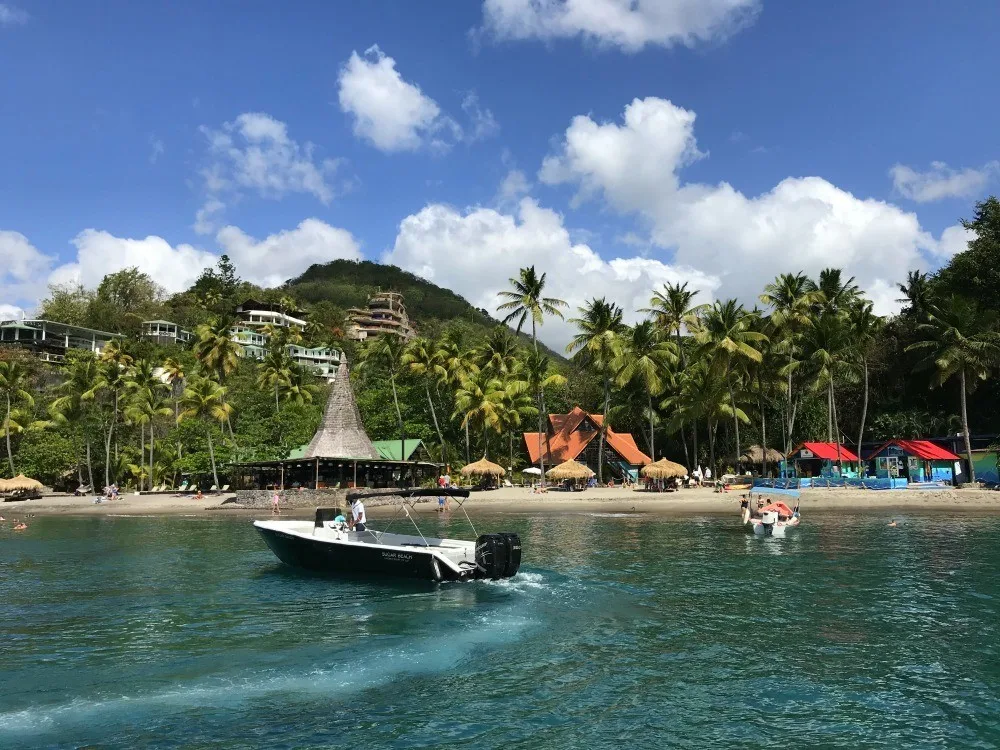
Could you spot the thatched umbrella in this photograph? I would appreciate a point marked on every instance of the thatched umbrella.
(755, 453)
(20, 482)
(483, 467)
(569, 470)
(663, 469)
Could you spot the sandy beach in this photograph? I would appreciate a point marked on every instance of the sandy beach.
(521, 500)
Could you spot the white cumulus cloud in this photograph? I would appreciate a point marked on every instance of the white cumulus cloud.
(475, 251)
(941, 181)
(22, 274)
(255, 153)
(280, 256)
(802, 223)
(627, 24)
(388, 111)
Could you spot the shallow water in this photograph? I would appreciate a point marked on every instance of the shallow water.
(650, 631)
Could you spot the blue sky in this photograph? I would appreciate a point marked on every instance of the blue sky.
(618, 145)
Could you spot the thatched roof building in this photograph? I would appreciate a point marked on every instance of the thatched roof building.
(483, 467)
(341, 434)
(755, 452)
(663, 469)
(569, 470)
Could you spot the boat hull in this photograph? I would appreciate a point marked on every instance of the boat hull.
(776, 529)
(355, 559)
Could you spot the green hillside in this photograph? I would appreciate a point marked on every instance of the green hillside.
(346, 283)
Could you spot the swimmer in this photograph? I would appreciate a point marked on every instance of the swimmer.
(892, 523)
(21, 527)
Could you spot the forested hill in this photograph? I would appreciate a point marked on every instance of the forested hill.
(347, 283)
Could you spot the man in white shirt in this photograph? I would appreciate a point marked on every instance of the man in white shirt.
(358, 518)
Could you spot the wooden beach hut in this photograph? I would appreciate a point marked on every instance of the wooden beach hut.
(818, 459)
(488, 472)
(757, 456)
(913, 460)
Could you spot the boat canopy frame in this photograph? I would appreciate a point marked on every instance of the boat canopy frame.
(460, 495)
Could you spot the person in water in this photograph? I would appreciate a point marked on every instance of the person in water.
(892, 523)
(358, 519)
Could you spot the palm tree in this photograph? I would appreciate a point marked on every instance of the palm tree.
(726, 335)
(864, 326)
(115, 363)
(14, 387)
(76, 401)
(174, 371)
(478, 402)
(275, 370)
(457, 362)
(515, 405)
(832, 294)
(917, 292)
(215, 348)
(599, 344)
(672, 309)
(960, 338)
(789, 297)
(541, 377)
(146, 390)
(385, 352)
(525, 300)
(644, 357)
(205, 400)
(427, 362)
(499, 352)
(296, 388)
(826, 345)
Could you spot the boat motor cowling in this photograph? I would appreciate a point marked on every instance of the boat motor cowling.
(498, 555)
(769, 517)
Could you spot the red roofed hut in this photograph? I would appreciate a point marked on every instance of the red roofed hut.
(914, 460)
(574, 436)
(816, 459)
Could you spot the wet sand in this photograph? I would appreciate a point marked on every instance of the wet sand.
(521, 500)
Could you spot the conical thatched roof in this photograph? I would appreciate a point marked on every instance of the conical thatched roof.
(663, 469)
(482, 467)
(753, 455)
(20, 482)
(341, 434)
(569, 470)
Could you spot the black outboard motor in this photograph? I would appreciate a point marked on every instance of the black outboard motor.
(498, 555)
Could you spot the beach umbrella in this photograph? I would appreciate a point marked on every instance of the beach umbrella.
(663, 469)
(483, 467)
(755, 452)
(20, 482)
(569, 470)
(532, 470)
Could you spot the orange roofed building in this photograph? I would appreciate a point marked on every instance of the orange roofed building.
(574, 435)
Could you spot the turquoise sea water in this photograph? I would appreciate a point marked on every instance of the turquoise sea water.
(621, 630)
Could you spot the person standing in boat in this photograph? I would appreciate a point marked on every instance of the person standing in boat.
(358, 519)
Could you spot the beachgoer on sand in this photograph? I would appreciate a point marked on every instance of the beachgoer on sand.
(276, 504)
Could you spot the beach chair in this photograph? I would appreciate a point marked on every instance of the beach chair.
(182, 489)
(225, 488)
(192, 489)
(214, 488)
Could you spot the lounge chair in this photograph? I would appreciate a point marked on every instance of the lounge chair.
(182, 489)
(214, 488)
(225, 488)
(192, 489)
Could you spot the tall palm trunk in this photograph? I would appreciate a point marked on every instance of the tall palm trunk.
(789, 409)
(836, 426)
(211, 454)
(142, 453)
(652, 445)
(694, 439)
(151, 453)
(10, 453)
(467, 458)
(399, 419)
(107, 444)
(604, 427)
(763, 437)
(965, 432)
(736, 423)
(684, 442)
(437, 427)
(864, 405)
(711, 448)
(540, 400)
(90, 468)
(829, 412)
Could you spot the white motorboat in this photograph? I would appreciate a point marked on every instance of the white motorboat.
(327, 545)
(771, 519)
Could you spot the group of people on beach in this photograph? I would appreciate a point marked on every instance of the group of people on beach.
(18, 525)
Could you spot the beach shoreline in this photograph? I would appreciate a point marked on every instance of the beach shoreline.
(700, 501)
